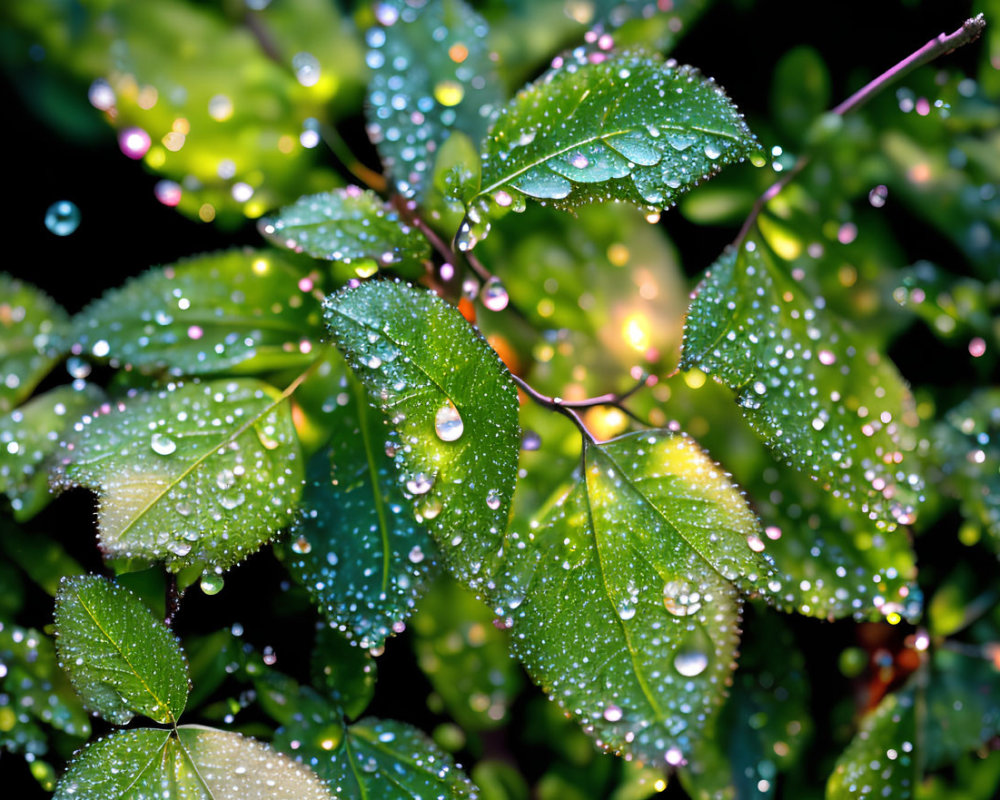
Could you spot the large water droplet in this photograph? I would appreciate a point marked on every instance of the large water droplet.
(449, 93)
(494, 295)
(878, 196)
(680, 598)
(62, 218)
(493, 499)
(211, 584)
(134, 142)
(307, 68)
(690, 662)
(162, 444)
(626, 609)
(612, 713)
(179, 548)
(712, 151)
(226, 479)
(448, 423)
(419, 484)
(231, 501)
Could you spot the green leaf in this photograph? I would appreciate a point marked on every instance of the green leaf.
(630, 127)
(347, 673)
(431, 73)
(622, 596)
(465, 657)
(801, 90)
(236, 310)
(29, 435)
(353, 227)
(453, 408)
(374, 758)
(968, 450)
(195, 763)
(35, 691)
(822, 400)
(357, 549)
(121, 659)
(763, 727)
(29, 321)
(195, 474)
(880, 760)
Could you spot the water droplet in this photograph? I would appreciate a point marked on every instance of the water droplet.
(493, 499)
(134, 142)
(416, 555)
(179, 548)
(431, 508)
(419, 484)
(680, 598)
(301, 546)
(212, 584)
(612, 713)
(448, 423)
(307, 68)
(62, 218)
(712, 151)
(494, 295)
(626, 609)
(231, 501)
(690, 662)
(449, 93)
(755, 542)
(226, 479)
(162, 444)
(878, 196)
(168, 192)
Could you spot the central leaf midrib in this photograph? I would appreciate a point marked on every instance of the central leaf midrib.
(377, 498)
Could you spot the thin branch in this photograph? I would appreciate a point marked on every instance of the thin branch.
(556, 404)
(371, 178)
(173, 600)
(941, 44)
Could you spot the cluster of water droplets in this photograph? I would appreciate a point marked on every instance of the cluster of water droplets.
(194, 473)
(625, 127)
(352, 226)
(420, 92)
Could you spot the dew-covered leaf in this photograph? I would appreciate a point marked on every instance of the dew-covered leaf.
(121, 659)
(625, 596)
(34, 690)
(357, 549)
(346, 672)
(29, 321)
(373, 758)
(825, 402)
(453, 409)
(195, 474)
(880, 760)
(465, 657)
(29, 435)
(629, 127)
(236, 310)
(968, 451)
(353, 227)
(195, 763)
(764, 724)
(431, 74)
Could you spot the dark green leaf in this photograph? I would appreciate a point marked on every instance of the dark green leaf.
(238, 310)
(195, 474)
(121, 659)
(432, 73)
(193, 763)
(823, 401)
(465, 657)
(29, 435)
(629, 127)
(374, 759)
(346, 672)
(453, 407)
(353, 227)
(29, 321)
(41, 558)
(357, 550)
(801, 89)
(622, 596)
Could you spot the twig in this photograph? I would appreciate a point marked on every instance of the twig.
(942, 43)
(173, 600)
(556, 404)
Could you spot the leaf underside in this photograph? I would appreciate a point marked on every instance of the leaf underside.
(824, 402)
(452, 407)
(358, 550)
(195, 474)
(624, 599)
(121, 659)
(627, 126)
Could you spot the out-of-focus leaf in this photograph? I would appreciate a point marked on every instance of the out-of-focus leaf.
(629, 127)
(764, 724)
(29, 435)
(824, 402)
(29, 321)
(801, 90)
(196, 763)
(242, 311)
(346, 671)
(353, 227)
(373, 758)
(465, 657)
(121, 659)
(432, 73)
(622, 595)
(453, 409)
(357, 549)
(193, 475)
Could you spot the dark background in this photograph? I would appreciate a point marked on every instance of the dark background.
(124, 230)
